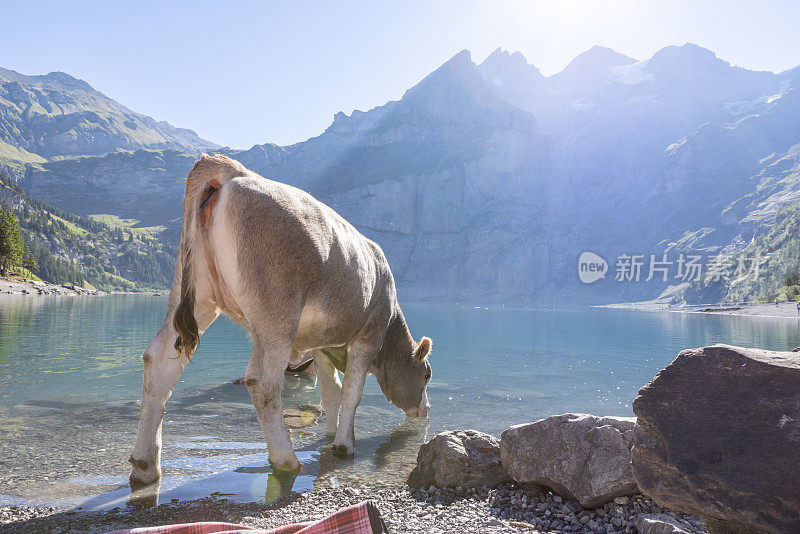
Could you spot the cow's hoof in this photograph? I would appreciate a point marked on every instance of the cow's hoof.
(144, 473)
(288, 466)
(138, 483)
(341, 450)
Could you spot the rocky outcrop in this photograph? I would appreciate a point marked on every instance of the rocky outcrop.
(579, 456)
(465, 458)
(718, 435)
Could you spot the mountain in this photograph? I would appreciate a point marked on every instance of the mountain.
(588, 72)
(514, 80)
(484, 183)
(72, 145)
(445, 179)
(58, 115)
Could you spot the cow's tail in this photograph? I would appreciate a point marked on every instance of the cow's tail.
(184, 321)
(207, 177)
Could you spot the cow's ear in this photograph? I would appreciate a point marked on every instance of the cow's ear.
(423, 349)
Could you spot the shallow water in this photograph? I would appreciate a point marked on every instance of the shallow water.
(70, 386)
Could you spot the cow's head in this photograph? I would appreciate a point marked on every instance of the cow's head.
(403, 374)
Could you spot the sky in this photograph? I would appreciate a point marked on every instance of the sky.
(241, 73)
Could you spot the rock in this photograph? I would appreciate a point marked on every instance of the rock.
(301, 417)
(579, 456)
(718, 435)
(466, 458)
(658, 524)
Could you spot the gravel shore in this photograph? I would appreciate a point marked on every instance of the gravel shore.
(508, 508)
(21, 286)
(783, 309)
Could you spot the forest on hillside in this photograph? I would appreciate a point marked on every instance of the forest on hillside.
(64, 248)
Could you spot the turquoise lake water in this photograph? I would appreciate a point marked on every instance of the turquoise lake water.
(70, 384)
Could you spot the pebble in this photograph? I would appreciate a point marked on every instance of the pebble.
(508, 508)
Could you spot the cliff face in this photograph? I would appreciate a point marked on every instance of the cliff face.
(146, 185)
(486, 182)
(451, 181)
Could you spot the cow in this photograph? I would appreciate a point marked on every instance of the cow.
(299, 278)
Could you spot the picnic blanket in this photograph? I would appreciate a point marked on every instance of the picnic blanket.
(361, 518)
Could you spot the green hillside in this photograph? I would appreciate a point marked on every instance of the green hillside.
(779, 271)
(110, 254)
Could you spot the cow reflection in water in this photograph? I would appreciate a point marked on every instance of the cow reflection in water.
(394, 457)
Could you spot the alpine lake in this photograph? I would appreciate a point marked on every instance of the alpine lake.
(71, 379)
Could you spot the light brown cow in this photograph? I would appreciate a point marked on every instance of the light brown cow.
(298, 277)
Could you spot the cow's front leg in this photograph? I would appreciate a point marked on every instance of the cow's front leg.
(161, 372)
(352, 389)
(330, 388)
(264, 381)
(162, 368)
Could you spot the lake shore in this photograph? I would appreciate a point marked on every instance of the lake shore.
(404, 510)
(787, 310)
(22, 286)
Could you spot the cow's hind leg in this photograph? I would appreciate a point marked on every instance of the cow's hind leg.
(331, 389)
(264, 381)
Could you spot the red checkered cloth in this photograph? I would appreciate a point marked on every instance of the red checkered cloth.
(361, 518)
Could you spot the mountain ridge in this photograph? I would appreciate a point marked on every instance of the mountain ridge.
(58, 115)
(483, 183)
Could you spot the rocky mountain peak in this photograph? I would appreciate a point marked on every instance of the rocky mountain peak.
(476, 189)
(458, 69)
(458, 83)
(54, 80)
(588, 71)
(502, 65)
(597, 57)
(695, 76)
(65, 81)
(687, 56)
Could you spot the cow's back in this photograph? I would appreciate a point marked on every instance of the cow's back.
(292, 250)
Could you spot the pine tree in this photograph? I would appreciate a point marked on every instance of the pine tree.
(12, 247)
(29, 261)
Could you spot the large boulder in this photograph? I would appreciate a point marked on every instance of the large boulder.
(465, 458)
(718, 435)
(579, 456)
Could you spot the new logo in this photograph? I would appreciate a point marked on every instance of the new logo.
(591, 267)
